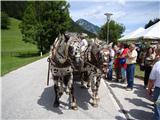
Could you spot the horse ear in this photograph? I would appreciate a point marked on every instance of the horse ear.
(110, 44)
(66, 37)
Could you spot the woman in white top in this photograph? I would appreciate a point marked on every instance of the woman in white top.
(154, 81)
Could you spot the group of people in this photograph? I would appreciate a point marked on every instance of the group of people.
(123, 58)
(152, 77)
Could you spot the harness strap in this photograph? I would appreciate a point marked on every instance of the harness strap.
(61, 71)
(93, 66)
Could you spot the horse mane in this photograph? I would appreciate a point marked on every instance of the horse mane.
(96, 49)
(61, 47)
(59, 51)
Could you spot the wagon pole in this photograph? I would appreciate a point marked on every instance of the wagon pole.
(49, 64)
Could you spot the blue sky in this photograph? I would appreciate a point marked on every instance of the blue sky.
(131, 13)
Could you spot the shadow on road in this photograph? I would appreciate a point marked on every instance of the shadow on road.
(83, 96)
(137, 115)
(117, 86)
(139, 102)
(140, 114)
(47, 99)
(119, 118)
(141, 92)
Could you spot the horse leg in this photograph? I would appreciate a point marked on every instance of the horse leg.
(82, 79)
(88, 84)
(56, 101)
(93, 99)
(73, 100)
(88, 80)
(85, 82)
(97, 87)
(58, 88)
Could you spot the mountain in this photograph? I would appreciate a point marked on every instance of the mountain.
(88, 26)
(74, 27)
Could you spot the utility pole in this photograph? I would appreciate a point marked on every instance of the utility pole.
(108, 19)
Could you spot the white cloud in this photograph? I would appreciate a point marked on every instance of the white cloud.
(122, 2)
(131, 14)
(119, 1)
(95, 11)
(119, 14)
(127, 31)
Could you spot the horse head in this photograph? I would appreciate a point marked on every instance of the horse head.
(100, 54)
(74, 51)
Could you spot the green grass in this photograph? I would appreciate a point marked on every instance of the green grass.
(15, 52)
(138, 72)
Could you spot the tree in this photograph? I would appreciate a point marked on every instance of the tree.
(4, 20)
(151, 22)
(43, 21)
(115, 31)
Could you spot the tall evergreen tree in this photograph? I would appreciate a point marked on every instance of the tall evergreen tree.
(14, 8)
(4, 20)
(151, 22)
(115, 31)
(43, 21)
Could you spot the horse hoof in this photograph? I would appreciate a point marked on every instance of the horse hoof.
(84, 87)
(88, 86)
(94, 105)
(98, 99)
(74, 107)
(56, 104)
(67, 93)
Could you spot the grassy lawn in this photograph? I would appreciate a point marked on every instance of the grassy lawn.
(138, 73)
(15, 52)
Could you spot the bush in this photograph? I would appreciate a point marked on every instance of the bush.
(4, 20)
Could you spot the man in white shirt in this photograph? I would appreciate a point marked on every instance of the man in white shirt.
(131, 60)
(154, 81)
(83, 43)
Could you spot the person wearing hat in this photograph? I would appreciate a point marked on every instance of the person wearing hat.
(83, 43)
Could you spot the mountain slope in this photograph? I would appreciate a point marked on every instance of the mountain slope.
(88, 26)
(74, 27)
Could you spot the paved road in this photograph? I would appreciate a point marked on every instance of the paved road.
(26, 96)
(136, 104)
